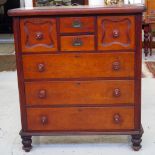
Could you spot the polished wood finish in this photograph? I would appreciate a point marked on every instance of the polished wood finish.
(67, 119)
(72, 83)
(78, 43)
(80, 92)
(77, 24)
(88, 65)
(38, 34)
(77, 10)
(116, 32)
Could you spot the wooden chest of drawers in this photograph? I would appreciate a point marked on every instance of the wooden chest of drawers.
(79, 71)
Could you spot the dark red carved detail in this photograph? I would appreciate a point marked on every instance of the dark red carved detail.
(28, 43)
(116, 21)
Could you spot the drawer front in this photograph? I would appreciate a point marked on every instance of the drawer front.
(38, 34)
(80, 119)
(88, 65)
(80, 92)
(78, 43)
(77, 24)
(116, 32)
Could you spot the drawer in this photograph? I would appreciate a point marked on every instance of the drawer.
(38, 34)
(116, 32)
(78, 43)
(80, 119)
(87, 65)
(77, 24)
(80, 92)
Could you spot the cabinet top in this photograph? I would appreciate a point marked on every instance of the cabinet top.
(76, 10)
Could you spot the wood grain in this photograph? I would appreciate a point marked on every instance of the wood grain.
(86, 24)
(78, 43)
(79, 119)
(116, 32)
(79, 92)
(38, 34)
(80, 65)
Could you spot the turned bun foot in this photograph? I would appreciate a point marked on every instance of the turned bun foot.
(26, 141)
(136, 141)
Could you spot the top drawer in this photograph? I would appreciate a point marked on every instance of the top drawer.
(116, 32)
(77, 24)
(38, 34)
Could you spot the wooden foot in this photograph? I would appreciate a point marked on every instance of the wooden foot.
(27, 141)
(136, 141)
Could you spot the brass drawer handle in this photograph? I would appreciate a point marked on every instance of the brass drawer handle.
(42, 94)
(116, 33)
(116, 66)
(76, 24)
(117, 92)
(117, 118)
(44, 120)
(39, 36)
(77, 42)
(41, 67)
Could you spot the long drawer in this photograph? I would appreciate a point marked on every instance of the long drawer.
(80, 119)
(80, 92)
(87, 65)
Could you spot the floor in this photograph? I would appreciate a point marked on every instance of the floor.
(10, 142)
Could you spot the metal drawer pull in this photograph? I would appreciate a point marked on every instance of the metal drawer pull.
(42, 94)
(39, 36)
(117, 92)
(44, 120)
(76, 24)
(41, 67)
(77, 42)
(117, 118)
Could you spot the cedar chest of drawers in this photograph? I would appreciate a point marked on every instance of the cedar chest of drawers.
(79, 71)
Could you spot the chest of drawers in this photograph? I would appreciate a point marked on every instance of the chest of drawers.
(79, 71)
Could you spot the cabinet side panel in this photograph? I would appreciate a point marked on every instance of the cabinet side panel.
(138, 70)
(21, 87)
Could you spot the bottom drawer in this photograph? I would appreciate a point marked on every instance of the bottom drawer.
(80, 118)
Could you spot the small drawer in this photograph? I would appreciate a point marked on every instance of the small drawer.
(80, 119)
(78, 43)
(80, 92)
(116, 32)
(78, 65)
(77, 24)
(38, 34)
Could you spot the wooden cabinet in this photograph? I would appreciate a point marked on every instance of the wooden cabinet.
(79, 71)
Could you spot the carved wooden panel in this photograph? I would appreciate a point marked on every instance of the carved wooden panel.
(116, 32)
(38, 34)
